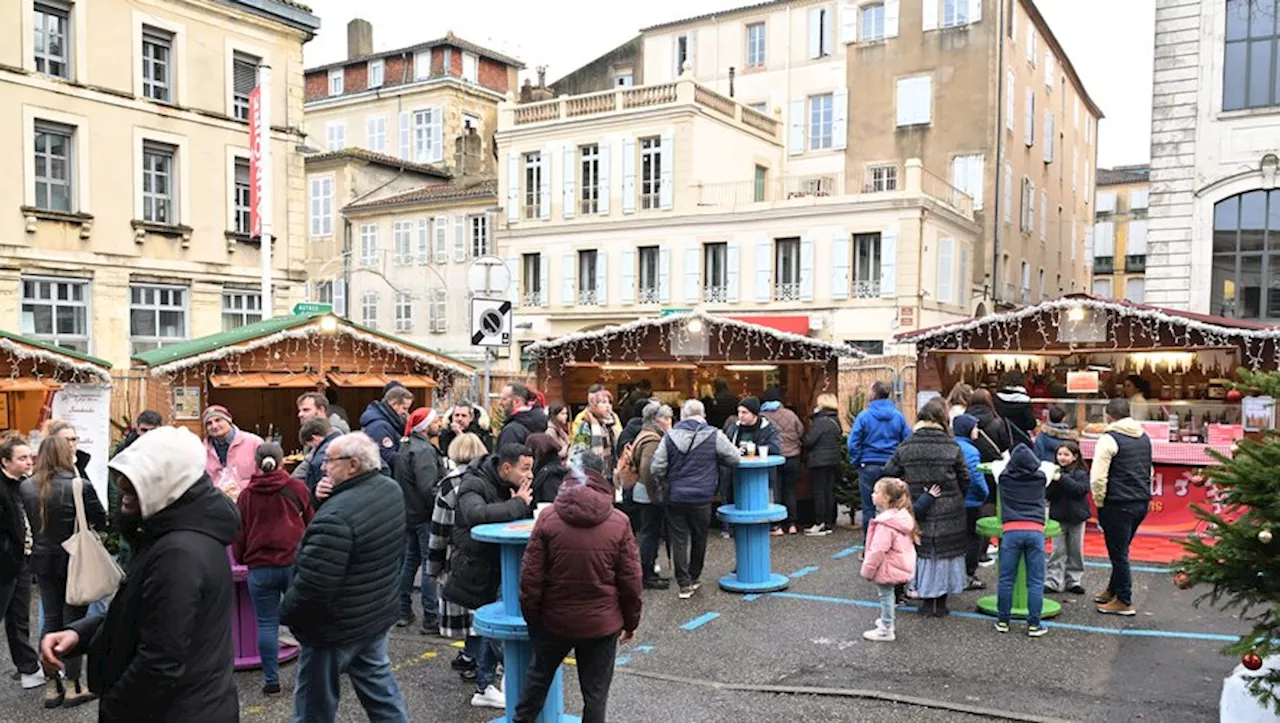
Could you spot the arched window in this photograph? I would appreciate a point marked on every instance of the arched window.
(1246, 256)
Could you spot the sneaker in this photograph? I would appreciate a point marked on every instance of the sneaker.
(818, 531)
(1002, 626)
(776, 532)
(687, 592)
(490, 698)
(31, 681)
(792, 530)
(992, 549)
(657, 584)
(76, 694)
(657, 569)
(288, 641)
(1037, 631)
(1076, 590)
(271, 689)
(1117, 607)
(461, 662)
(975, 584)
(1103, 596)
(697, 583)
(468, 675)
(1051, 590)
(724, 534)
(53, 692)
(881, 633)
(406, 620)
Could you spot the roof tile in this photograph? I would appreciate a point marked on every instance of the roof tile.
(433, 194)
(383, 159)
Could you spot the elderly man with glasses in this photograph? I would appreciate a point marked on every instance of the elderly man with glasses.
(344, 596)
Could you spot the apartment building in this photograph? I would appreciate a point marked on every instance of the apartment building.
(402, 181)
(130, 168)
(642, 199)
(1119, 253)
(1215, 152)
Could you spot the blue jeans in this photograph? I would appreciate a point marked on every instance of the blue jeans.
(888, 603)
(1016, 546)
(417, 541)
(487, 664)
(267, 585)
(366, 663)
(868, 475)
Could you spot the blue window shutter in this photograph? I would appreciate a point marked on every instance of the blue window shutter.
(544, 188)
(841, 261)
(764, 270)
(664, 276)
(667, 178)
(513, 187)
(568, 171)
(692, 274)
(629, 175)
(806, 268)
(626, 277)
(604, 179)
(889, 262)
(733, 265)
(569, 286)
(602, 277)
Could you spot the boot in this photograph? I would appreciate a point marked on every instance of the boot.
(76, 694)
(53, 692)
(927, 606)
(940, 607)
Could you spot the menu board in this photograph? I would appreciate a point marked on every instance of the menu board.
(1259, 413)
(87, 407)
(1082, 382)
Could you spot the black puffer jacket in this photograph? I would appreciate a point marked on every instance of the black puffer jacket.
(825, 439)
(547, 481)
(1069, 497)
(931, 457)
(482, 498)
(522, 424)
(995, 429)
(163, 652)
(419, 467)
(13, 532)
(48, 534)
(345, 587)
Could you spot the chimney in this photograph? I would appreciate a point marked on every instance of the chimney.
(359, 39)
(469, 156)
(542, 76)
(526, 91)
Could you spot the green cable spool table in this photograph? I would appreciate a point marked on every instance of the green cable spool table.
(989, 527)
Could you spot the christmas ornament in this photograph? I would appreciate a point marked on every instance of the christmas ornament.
(1252, 661)
(1197, 480)
(1234, 395)
(1182, 580)
(1264, 536)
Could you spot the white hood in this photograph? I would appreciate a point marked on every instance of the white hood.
(162, 465)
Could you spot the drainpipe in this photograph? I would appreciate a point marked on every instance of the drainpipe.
(996, 217)
(920, 293)
(731, 74)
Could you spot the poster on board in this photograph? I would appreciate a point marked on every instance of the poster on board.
(87, 407)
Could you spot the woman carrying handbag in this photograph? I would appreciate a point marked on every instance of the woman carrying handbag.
(49, 496)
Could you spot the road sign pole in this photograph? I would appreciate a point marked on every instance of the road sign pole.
(488, 366)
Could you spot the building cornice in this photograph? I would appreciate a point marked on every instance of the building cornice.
(395, 91)
(613, 123)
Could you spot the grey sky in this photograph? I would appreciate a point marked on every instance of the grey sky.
(1109, 41)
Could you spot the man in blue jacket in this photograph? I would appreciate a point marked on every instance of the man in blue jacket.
(384, 423)
(876, 434)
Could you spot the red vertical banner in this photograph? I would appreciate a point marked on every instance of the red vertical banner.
(257, 142)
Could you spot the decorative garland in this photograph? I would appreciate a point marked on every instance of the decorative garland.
(18, 352)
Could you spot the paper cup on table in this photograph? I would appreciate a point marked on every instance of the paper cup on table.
(751, 448)
(763, 450)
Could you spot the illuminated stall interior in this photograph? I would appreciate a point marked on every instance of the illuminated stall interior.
(31, 371)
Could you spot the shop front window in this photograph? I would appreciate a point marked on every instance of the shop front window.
(1246, 256)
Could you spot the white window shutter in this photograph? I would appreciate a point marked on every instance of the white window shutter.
(1031, 206)
(406, 133)
(1010, 99)
(815, 32)
(889, 262)
(513, 287)
(436, 132)
(602, 277)
(513, 187)
(977, 180)
(544, 280)
(930, 20)
(925, 100)
(604, 179)
(441, 239)
(569, 286)
(1029, 127)
(841, 260)
(1137, 245)
(692, 274)
(459, 238)
(964, 277)
(567, 202)
(733, 267)
(692, 53)
(1008, 192)
(839, 118)
(946, 270)
(1048, 137)
(629, 175)
(975, 11)
(829, 32)
(764, 270)
(891, 13)
(340, 297)
(1044, 216)
(664, 276)
(849, 22)
(959, 171)
(544, 188)
(675, 57)
(795, 126)
(666, 181)
(806, 269)
(424, 241)
(626, 277)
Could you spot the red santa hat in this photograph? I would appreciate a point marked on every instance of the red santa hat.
(420, 420)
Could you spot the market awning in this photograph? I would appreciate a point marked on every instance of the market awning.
(789, 324)
(377, 381)
(28, 384)
(266, 380)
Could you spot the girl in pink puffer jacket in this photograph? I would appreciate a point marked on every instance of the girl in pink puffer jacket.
(891, 550)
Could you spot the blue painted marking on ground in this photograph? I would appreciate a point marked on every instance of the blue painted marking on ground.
(751, 596)
(622, 660)
(846, 552)
(1134, 632)
(700, 621)
(644, 648)
(1135, 568)
(804, 571)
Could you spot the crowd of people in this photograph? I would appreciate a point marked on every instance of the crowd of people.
(336, 548)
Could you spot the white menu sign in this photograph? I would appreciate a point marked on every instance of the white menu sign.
(88, 408)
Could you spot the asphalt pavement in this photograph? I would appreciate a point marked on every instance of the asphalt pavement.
(799, 655)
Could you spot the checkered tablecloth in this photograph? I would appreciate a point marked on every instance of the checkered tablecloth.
(1185, 453)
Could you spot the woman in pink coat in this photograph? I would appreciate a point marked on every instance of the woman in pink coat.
(229, 458)
(891, 550)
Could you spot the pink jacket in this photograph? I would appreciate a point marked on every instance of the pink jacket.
(891, 554)
(239, 457)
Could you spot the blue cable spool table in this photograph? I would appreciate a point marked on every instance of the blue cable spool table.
(504, 621)
(751, 514)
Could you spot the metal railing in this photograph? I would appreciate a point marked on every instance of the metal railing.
(649, 296)
(715, 294)
(533, 298)
(741, 193)
(786, 292)
(588, 297)
(866, 289)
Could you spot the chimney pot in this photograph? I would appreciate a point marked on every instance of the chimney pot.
(542, 76)
(359, 39)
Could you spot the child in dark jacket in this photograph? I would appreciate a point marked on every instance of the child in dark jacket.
(1068, 496)
(1022, 511)
(1053, 434)
(966, 431)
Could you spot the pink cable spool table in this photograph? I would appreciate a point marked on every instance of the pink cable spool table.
(244, 622)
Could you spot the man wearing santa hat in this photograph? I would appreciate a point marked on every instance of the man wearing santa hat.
(418, 469)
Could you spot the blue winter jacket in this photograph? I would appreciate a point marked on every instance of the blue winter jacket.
(977, 494)
(386, 429)
(1022, 488)
(876, 434)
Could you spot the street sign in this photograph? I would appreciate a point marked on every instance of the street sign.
(311, 309)
(490, 322)
(670, 312)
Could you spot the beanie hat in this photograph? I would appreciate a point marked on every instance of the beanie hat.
(391, 385)
(419, 420)
(773, 394)
(963, 425)
(216, 411)
(751, 404)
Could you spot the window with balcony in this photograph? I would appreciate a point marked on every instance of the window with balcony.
(588, 278)
(866, 266)
(53, 164)
(881, 178)
(244, 78)
(157, 64)
(715, 272)
(157, 316)
(821, 109)
(1135, 263)
(1246, 256)
(404, 312)
(478, 231)
(647, 260)
(755, 45)
(871, 23)
(52, 44)
(1251, 62)
(786, 269)
(369, 245)
(650, 172)
(589, 160)
(531, 280)
(240, 308)
(532, 184)
(369, 309)
(157, 183)
(240, 202)
(56, 311)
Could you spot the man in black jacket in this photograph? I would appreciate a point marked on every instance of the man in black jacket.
(497, 489)
(418, 470)
(163, 651)
(462, 419)
(344, 595)
(524, 416)
(15, 574)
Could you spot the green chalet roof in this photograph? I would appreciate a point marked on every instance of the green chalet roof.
(173, 357)
(73, 360)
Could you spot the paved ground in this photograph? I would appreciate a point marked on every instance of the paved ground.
(800, 656)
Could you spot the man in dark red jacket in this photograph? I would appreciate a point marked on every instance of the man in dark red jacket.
(580, 587)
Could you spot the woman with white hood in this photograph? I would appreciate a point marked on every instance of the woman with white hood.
(163, 651)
